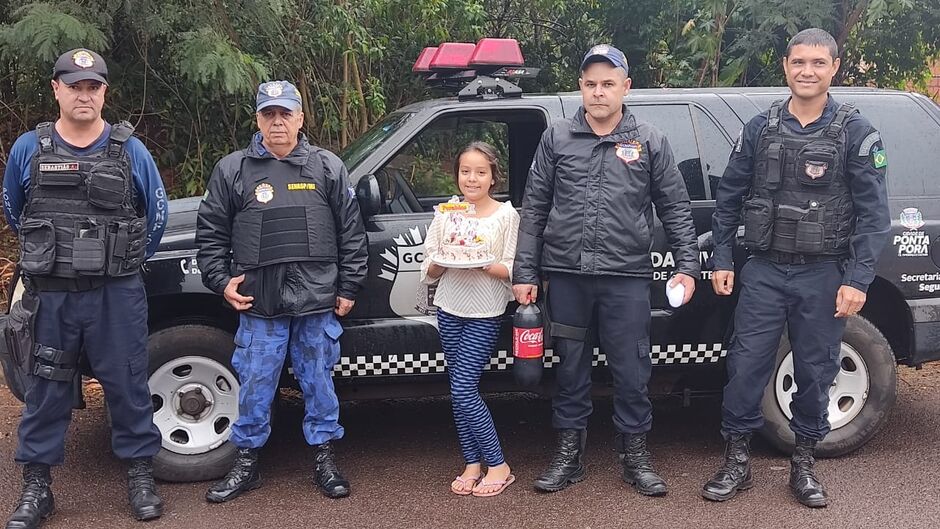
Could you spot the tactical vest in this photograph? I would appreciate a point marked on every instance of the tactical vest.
(285, 215)
(80, 218)
(800, 202)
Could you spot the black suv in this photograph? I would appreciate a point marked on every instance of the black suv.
(401, 169)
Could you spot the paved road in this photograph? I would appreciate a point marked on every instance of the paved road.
(401, 456)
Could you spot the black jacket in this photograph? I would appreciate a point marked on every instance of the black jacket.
(588, 205)
(292, 288)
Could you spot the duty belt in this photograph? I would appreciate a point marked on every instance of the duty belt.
(66, 284)
(794, 258)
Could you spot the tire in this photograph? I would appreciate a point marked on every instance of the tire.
(182, 359)
(867, 397)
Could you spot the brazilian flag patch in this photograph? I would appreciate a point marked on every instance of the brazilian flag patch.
(879, 159)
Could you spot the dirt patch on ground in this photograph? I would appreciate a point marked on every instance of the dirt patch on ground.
(927, 378)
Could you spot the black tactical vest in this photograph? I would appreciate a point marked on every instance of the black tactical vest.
(81, 217)
(285, 214)
(800, 202)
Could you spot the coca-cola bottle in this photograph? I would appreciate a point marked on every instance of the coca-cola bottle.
(527, 345)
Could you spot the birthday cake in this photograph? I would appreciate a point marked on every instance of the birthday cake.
(462, 243)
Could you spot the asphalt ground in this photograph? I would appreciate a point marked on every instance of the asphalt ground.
(401, 456)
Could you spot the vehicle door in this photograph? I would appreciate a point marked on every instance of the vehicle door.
(394, 330)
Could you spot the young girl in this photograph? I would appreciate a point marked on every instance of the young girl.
(470, 305)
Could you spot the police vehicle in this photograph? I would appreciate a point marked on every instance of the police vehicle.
(401, 169)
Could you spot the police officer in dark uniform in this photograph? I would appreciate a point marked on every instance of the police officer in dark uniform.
(586, 226)
(88, 206)
(280, 236)
(808, 178)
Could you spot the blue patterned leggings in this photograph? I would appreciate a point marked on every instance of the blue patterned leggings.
(468, 344)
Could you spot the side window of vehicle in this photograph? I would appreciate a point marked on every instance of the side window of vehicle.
(715, 148)
(421, 174)
(911, 140)
(675, 121)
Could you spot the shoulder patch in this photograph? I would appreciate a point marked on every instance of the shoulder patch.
(739, 143)
(865, 148)
(879, 159)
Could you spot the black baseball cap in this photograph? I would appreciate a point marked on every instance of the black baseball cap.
(78, 65)
(605, 52)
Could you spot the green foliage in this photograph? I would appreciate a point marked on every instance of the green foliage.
(209, 59)
(44, 30)
(725, 42)
(185, 72)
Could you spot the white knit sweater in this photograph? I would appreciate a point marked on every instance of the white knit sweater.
(472, 293)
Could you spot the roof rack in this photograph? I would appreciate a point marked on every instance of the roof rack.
(475, 71)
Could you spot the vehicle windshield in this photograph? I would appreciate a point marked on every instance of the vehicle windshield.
(373, 139)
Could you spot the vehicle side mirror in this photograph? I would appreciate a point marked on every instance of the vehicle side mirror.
(369, 196)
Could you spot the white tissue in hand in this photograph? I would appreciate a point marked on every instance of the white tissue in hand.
(675, 294)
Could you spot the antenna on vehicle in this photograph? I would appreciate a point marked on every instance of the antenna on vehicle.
(476, 70)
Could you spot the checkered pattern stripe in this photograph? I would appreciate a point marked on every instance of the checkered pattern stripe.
(425, 363)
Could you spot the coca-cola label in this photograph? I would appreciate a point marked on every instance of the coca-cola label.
(527, 343)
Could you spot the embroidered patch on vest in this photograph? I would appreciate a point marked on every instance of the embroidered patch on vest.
(629, 151)
(301, 186)
(58, 167)
(816, 170)
(264, 193)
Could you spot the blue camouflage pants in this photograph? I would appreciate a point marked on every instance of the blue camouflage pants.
(261, 345)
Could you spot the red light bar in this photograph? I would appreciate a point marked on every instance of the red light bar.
(496, 52)
(452, 56)
(423, 64)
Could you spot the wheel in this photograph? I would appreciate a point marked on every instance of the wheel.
(860, 398)
(195, 401)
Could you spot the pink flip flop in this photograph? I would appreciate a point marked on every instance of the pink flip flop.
(462, 481)
(502, 486)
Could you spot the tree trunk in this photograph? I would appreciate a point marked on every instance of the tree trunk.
(360, 94)
(344, 109)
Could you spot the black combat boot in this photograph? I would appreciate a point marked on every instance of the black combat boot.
(243, 477)
(807, 489)
(142, 491)
(735, 474)
(638, 466)
(327, 477)
(566, 466)
(36, 502)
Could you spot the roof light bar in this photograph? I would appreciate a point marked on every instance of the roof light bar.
(452, 56)
(478, 70)
(496, 52)
(423, 64)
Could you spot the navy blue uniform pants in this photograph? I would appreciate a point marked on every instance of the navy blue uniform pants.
(110, 324)
(802, 298)
(623, 323)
